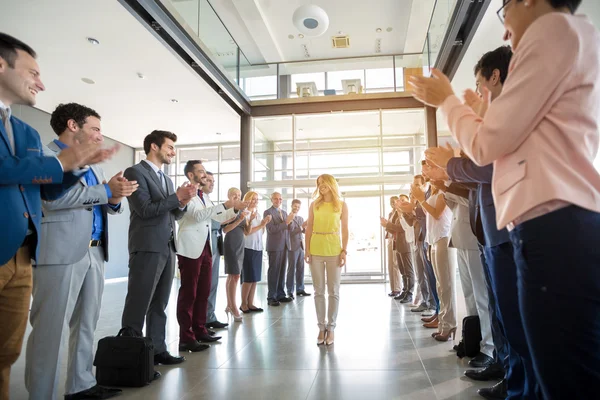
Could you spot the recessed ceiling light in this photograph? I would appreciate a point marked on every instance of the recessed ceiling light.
(301, 36)
(93, 40)
(290, 36)
(141, 76)
(218, 133)
(378, 30)
(88, 81)
(174, 101)
(390, 29)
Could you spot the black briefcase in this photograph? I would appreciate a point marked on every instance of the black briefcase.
(471, 335)
(124, 361)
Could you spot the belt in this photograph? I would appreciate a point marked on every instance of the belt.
(326, 233)
(95, 243)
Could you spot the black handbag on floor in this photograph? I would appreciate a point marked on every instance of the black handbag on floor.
(471, 335)
(124, 361)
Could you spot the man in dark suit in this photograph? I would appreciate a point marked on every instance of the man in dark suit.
(30, 173)
(155, 207)
(277, 246)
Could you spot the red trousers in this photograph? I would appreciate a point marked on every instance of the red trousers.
(192, 301)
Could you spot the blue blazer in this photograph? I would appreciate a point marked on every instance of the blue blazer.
(464, 170)
(26, 178)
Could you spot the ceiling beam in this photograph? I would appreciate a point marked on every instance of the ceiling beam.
(162, 23)
(463, 24)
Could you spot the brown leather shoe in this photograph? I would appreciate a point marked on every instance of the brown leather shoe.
(431, 325)
(429, 319)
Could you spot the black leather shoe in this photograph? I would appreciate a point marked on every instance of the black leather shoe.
(273, 303)
(211, 333)
(156, 375)
(401, 296)
(207, 338)
(285, 300)
(302, 293)
(255, 309)
(407, 299)
(193, 346)
(217, 325)
(496, 392)
(95, 392)
(481, 361)
(291, 296)
(165, 358)
(493, 372)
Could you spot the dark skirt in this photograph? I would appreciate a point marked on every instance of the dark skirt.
(252, 268)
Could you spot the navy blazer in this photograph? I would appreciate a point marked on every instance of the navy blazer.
(464, 170)
(26, 178)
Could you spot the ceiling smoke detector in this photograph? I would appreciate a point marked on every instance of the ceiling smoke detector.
(341, 42)
(311, 20)
(88, 81)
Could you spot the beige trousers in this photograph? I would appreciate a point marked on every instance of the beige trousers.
(326, 270)
(393, 268)
(444, 274)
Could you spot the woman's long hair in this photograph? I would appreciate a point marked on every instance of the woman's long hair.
(248, 196)
(332, 184)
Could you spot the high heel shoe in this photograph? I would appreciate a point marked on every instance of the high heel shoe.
(236, 318)
(329, 339)
(321, 338)
(444, 337)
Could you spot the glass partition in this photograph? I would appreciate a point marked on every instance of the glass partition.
(331, 77)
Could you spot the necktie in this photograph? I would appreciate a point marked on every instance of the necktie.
(201, 195)
(163, 180)
(8, 127)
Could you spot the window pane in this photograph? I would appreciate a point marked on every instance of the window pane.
(260, 86)
(208, 155)
(230, 159)
(335, 78)
(225, 182)
(272, 134)
(380, 78)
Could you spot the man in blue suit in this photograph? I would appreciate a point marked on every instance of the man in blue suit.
(28, 174)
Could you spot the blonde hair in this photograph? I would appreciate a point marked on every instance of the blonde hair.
(233, 189)
(332, 184)
(248, 196)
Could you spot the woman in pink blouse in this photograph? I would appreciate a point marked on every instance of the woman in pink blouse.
(541, 134)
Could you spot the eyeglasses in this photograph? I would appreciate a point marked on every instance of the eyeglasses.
(500, 13)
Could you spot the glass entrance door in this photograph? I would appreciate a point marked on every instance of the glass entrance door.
(365, 248)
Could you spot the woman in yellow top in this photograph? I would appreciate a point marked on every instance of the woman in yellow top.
(325, 252)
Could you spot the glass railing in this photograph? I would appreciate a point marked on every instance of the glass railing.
(299, 79)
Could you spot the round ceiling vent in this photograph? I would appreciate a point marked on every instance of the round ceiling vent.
(311, 20)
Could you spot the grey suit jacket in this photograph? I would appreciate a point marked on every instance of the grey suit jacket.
(461, 235)
(153, 212)
(277, 230)
(67, 222)
(296, 234)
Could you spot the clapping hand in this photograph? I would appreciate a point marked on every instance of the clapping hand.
(439, 155)
(434, 172)
(479, 104)
(383, 222)
(432, 91)
(120, 187)
(186, 192)
(266, 220)
(417, 192)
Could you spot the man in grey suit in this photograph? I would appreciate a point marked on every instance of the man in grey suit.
(404, 256)
(471, 272)
(155, 207)
(216, 241)
(69, 279)
(277, 246)
(296, 252)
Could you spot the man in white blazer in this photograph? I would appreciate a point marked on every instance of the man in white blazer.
(195, 260)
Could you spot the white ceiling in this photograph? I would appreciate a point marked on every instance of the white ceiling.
(262, 27)
(130, 107)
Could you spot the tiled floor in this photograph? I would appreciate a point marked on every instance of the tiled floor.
(381, 351)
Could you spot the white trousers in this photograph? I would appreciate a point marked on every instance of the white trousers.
(476, 295)
(326, 270)
(64, 294)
